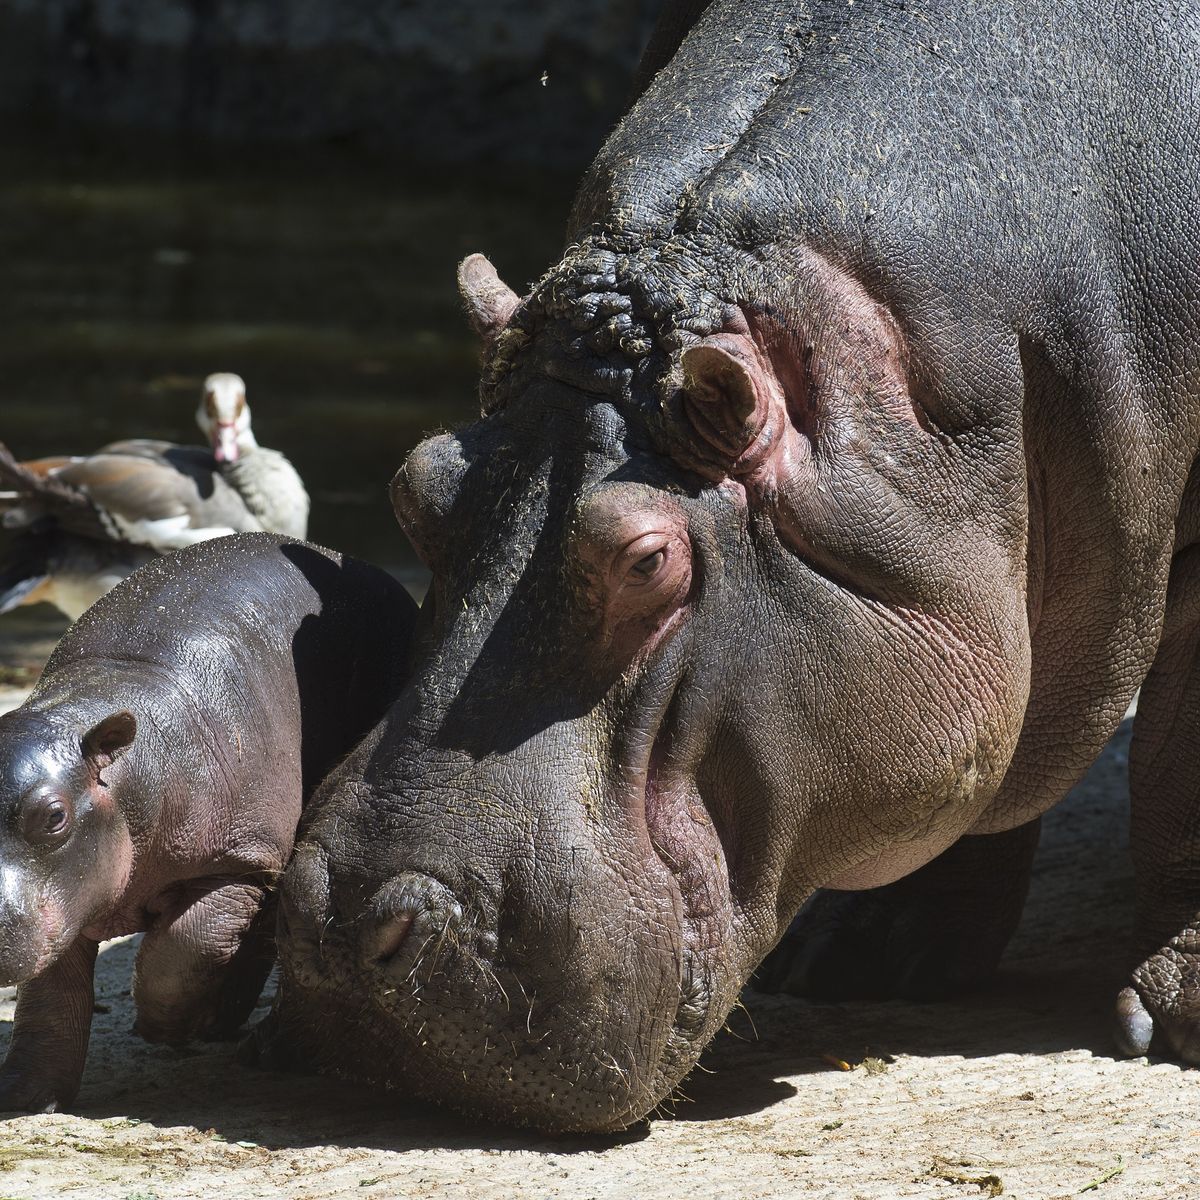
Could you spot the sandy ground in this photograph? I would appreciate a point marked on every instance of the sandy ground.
(1014, 1092)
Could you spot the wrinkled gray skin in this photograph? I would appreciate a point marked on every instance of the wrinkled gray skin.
(829, 500)
(154, 781)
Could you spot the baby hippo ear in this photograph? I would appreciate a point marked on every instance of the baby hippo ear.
(108, 739)
(489, 301)
(730, 400)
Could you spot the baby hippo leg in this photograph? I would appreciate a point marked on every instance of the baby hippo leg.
(204, 961)
(50, 1034)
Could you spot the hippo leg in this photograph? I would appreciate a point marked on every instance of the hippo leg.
(50, 1034)
(203, 963)
(939, 930)
(1164, 784)
(276, 1043)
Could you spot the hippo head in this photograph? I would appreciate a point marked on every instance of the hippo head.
(63, 850)
(718, 617)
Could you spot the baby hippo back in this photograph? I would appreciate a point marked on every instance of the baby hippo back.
(248, 639)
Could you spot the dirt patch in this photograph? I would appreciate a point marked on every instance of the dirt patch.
(1014, 1092)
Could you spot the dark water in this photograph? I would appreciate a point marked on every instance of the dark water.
(132, 270)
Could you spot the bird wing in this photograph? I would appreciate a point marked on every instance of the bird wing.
(165, 501)
(147, 494)
(196, 462)
(44, 466)
(33, 496)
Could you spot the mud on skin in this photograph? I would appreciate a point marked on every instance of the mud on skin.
(154, 781)
(820, 523)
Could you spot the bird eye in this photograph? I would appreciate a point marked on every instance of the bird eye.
(647, 567)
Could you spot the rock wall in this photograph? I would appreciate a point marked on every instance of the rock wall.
(516, 80)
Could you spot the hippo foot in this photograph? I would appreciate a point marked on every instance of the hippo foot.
(269, 1047)
(862, 945)
(1163, 1005)
(940, 930)
(161, 1033)
(181, 1029)
(21, 1093)
(211, 1021)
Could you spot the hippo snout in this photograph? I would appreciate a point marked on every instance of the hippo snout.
(327, 938)
(25, 933)
(406, 925)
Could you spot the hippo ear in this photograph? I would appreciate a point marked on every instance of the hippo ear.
(488, 299)
(108, 739)
(730, 400)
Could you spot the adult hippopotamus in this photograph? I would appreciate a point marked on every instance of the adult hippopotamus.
(154, 781)
(832, 496)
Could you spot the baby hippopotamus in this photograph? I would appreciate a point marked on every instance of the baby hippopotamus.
(154, 781)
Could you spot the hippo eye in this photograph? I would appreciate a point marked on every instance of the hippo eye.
(46, 819)
(647, 567)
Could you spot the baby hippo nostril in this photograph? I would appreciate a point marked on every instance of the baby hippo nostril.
(406, 927)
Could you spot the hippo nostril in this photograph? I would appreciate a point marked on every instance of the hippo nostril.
(383, 940)
(407, 923)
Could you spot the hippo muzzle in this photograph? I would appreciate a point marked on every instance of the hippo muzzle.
(387, 940)
(61, 850)
(31, 927)
(522, 954)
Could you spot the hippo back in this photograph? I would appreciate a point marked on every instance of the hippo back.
(249, 622)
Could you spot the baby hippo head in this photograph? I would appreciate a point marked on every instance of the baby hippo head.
(64, 852)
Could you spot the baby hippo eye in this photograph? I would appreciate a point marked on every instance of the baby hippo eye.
(647, 567)
(46, 819)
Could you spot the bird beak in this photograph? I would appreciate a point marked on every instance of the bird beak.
(225, 447)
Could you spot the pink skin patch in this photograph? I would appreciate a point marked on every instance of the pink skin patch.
(225, 447)
(638, 561)
(767, 393)
(638, 556)
(796, 409)
(800, 410)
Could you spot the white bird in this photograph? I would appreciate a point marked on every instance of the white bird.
(84, 523)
